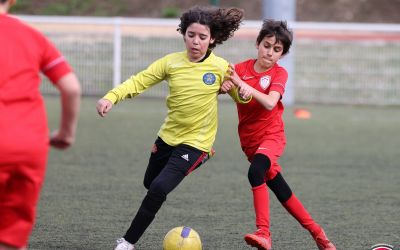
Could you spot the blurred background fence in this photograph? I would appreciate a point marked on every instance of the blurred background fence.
(335, 63)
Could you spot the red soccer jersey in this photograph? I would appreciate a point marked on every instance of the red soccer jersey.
(24, 52)
(255, 121)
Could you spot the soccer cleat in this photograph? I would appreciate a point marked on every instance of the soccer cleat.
(323, 242)
(260, 239)
(124, 245)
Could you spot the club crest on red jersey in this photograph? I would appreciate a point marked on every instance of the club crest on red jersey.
(264, 82)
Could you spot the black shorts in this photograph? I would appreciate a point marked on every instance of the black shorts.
(168, 165)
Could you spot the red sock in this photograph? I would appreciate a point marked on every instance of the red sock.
(298, 211)
(261, 206)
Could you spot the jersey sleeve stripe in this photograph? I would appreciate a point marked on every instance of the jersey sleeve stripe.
(53, 63)
(279, 84)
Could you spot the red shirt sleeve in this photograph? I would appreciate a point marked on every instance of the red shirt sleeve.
(279, 80)
(53, 64)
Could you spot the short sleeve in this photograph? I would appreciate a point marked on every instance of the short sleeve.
(278, 83)
(53, 63)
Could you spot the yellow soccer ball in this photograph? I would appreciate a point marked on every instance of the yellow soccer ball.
(182, 238)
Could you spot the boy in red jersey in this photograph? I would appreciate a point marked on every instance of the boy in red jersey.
(24, 134)
(262, 135)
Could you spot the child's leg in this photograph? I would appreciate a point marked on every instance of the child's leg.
(20, 185)
(160, 154)
(259, 167)
(256, 175)
(292, 204)
(169, 178)
(263, 158)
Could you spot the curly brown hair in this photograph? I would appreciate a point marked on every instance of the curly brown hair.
(223, 22)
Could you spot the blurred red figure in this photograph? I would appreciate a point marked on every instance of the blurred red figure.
(24, 134)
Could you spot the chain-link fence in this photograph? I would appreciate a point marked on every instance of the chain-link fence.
(333, 63)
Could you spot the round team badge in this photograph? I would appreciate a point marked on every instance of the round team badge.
(264, 82)
(209, 78)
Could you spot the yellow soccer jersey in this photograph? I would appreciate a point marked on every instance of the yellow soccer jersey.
(192, 100)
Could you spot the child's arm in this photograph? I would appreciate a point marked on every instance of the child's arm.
(238, 97)
(70, 92)
(229, 87)
(133, 86)
(267, 100)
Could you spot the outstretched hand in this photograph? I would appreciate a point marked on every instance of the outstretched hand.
(103, 106)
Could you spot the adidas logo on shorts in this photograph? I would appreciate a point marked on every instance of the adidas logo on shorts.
(186, 157)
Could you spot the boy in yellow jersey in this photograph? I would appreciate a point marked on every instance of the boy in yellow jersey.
(185, 139)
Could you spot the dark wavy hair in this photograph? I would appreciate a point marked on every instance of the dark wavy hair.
(279, 30)
(222, 22)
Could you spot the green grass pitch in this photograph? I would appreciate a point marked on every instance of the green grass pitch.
(343, 164)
